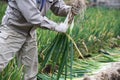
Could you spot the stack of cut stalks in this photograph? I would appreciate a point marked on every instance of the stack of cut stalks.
(61, 51)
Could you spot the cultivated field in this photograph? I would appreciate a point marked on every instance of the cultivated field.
(96, 37)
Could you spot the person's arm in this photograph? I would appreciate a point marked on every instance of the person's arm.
(32, 14)
(59, 8)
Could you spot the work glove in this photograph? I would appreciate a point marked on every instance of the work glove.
(78, 6)
(62, 27)
(75, 9)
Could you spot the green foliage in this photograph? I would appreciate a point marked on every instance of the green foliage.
(2, 9)
(12, 72)
(98, 27)
(95, 32)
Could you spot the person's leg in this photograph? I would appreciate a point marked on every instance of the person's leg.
(29, 58)
(10, 43)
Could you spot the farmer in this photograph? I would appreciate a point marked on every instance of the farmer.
(18, 34)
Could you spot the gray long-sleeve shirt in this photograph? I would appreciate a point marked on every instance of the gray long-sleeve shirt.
(23, 15)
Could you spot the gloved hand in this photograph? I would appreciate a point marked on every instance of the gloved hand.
(78, 6)
(61, 28)
(75, 9)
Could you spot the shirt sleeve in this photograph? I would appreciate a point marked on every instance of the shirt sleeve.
(32, 14)
(59, 8)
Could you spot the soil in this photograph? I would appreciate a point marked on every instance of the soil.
(109, 72)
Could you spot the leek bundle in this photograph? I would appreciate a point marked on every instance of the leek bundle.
(61, 50)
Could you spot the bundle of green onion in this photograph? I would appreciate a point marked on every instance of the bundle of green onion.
(61, 50)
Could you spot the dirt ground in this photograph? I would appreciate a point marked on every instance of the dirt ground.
(109, 72)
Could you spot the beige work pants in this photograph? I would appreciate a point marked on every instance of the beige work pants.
(25, 47)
